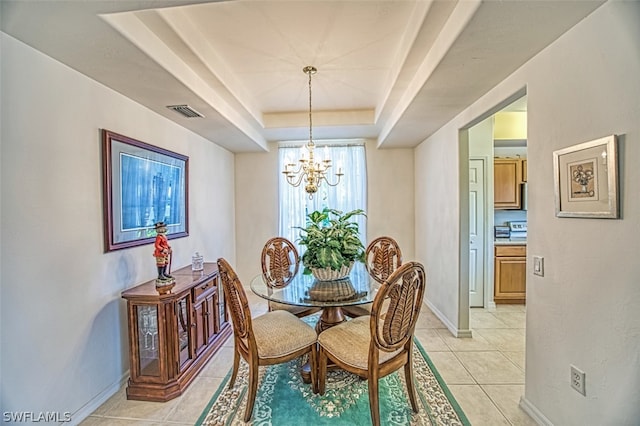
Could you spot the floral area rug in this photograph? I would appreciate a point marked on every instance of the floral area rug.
(283, 399)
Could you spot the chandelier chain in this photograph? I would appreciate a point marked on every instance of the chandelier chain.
(310, 70)
(310, 171)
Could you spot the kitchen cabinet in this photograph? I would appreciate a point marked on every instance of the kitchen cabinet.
(510, 274)
(507, 180)
(173, 335)
(524, 170)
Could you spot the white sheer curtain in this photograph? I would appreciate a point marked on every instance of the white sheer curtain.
(349, 194)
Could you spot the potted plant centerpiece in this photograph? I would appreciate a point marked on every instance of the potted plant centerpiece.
(333, 244)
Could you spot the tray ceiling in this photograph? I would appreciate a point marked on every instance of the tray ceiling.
(393, 71)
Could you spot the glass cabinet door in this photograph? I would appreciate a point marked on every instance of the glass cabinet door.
(184, 330)
(222, 310)
(149, 356)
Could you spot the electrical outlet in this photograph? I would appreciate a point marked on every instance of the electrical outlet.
(538, 265)
(577, 380)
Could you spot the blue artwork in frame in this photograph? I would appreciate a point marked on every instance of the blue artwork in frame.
(143, 184)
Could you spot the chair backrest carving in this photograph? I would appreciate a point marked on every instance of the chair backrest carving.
(405, 292)
(236, 299)
(383, 257)
(280, 262)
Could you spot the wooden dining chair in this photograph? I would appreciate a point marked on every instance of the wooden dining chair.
(382, 257)
(376, 345)
(280, 263)
(272, 338)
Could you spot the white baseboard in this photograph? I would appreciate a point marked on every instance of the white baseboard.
(452, 328)
(533, 412)
(98, 400)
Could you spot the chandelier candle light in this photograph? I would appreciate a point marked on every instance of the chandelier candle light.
(311, 171)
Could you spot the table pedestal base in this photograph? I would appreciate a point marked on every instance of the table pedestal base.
(331, 316)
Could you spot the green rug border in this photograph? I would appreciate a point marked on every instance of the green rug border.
(443, 385)
(215, 397)
(423, 352)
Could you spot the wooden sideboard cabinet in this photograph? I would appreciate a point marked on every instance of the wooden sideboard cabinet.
(173, 335)
(510, 274)
(507, 177)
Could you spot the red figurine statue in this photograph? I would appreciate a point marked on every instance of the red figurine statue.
(162, 253)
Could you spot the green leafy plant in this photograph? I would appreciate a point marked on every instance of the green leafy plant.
(332, 240)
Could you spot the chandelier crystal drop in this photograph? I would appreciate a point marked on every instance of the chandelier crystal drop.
(313, 172)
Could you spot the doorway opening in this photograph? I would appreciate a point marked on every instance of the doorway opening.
(497, 133)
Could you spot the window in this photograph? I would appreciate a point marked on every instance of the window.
(349, 194)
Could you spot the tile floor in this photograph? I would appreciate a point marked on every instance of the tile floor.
(485, 373)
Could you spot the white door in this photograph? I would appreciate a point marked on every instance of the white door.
(476, 233)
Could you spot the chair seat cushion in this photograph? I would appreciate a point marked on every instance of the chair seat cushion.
(367, 306)
(280, 333)
(349, 342)
(290, 308)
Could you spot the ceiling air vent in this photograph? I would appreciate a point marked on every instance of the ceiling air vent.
(185, 110)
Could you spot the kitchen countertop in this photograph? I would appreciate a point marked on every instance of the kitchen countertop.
(510, 241)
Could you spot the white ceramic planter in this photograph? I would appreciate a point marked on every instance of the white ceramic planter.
(328, 274)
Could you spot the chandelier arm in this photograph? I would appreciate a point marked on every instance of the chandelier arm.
(288, 171)
(291, 181)
(324, 177)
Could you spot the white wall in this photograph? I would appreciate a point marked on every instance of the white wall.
(63, 324)
(390, 209)
(257, 208)
(585, 310)
(437, 222)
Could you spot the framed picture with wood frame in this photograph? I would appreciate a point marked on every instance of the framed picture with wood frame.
(586, 179)
(142, 185)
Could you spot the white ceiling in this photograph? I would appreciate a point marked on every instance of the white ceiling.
(390, 70)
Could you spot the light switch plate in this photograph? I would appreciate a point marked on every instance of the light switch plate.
(538, 265)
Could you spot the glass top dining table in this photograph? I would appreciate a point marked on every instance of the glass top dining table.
(337, 299)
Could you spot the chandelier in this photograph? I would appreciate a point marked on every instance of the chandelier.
(310, 170)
